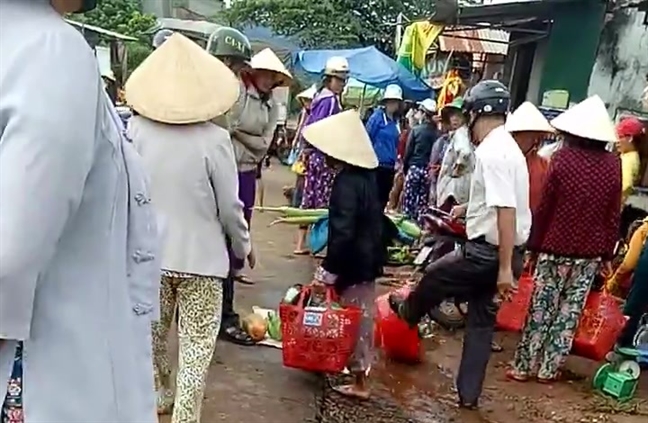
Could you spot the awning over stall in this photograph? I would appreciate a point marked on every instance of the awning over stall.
(368, 65)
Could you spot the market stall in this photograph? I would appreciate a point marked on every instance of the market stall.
(368, 66)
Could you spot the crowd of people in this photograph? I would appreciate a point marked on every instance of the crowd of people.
(110, 233)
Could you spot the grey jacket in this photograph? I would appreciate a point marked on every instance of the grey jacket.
(194, 186)
(251, 123)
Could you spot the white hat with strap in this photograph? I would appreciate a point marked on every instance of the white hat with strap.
(588, 119)
(180, 83)
(343, 137)
(267, 60)
(527, 118)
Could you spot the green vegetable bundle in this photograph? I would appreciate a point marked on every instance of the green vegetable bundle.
(274, 326)
(297, 216)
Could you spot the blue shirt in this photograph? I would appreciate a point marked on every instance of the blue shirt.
(384, 133)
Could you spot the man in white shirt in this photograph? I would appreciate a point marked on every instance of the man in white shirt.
(498, 222)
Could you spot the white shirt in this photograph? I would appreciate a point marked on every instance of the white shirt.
(501, 179)
(64, 232)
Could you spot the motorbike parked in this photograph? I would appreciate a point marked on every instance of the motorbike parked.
(443, 229)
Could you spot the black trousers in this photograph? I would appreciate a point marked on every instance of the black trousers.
(229, 317)
(385, 180)
(468, 274)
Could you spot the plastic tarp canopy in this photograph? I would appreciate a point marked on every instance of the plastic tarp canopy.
(353, 94)
(367, 65)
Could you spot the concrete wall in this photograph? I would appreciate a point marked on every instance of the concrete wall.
(621, 67)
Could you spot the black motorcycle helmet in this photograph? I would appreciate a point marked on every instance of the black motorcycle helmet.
(486, 98)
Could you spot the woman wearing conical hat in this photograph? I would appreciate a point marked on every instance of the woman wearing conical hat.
(573, 237)
(355, 251)
(194, 185)
(305, 98)
(252, 122)
(529, 127)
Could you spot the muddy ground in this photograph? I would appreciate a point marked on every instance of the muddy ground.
(251, 385)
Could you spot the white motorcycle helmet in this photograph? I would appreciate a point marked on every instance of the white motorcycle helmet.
(337, 66)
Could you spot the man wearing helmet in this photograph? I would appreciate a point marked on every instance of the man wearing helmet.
(232, 47)
(498, 222)
(78, 279)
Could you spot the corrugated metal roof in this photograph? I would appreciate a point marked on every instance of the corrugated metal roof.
(482, 40)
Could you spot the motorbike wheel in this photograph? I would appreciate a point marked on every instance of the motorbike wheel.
(449, 315)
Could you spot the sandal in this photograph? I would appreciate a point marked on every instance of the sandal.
(547, 380)
(301, 252)
(352, 391)
(495, 347)
(514, 375)
(243, 279)
(238, 336)
(165, 400)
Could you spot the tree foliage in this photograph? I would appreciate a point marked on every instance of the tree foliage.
(122, 16)
(331, 23)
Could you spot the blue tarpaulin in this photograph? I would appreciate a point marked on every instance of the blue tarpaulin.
(367, 65)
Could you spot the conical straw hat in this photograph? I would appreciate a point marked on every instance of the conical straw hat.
(267, 60)
(527, 117)
(181, 83)
(343, 137)
(588, 119)
(308, 94)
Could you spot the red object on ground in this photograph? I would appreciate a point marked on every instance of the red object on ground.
(394, 336)
(599, 327)
(512, 314)
(318, 338)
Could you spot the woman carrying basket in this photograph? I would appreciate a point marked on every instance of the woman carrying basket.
(355, 250)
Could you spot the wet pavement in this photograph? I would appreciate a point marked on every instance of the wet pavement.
(251, 385)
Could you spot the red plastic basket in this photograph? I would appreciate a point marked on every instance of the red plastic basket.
(397, 340)
(512, 314)
(600, 325)
(318, 339)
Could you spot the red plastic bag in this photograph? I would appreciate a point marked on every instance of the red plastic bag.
(512, 314)
(318, 339)
(394, 336)
(599, 327)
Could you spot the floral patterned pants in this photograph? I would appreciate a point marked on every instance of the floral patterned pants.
(199, 301)
(12, 408)
(561, 288)
(415, 195)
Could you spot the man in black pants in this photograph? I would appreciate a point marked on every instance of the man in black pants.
(498, 222)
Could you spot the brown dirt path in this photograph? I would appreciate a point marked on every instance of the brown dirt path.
(251, 385)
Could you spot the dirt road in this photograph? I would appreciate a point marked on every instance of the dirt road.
(251, 385)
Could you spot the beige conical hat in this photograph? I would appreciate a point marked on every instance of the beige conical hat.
(527, 117)
(267, 60)
(588, 119)
(181, 83)
(308, 94)
(343, 137)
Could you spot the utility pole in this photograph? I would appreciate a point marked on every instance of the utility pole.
(399, 33)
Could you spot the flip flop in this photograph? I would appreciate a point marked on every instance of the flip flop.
(352, 392)
(495, 347)
(558, 377)
(514, 375)
(301, 252)
(243, 279)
